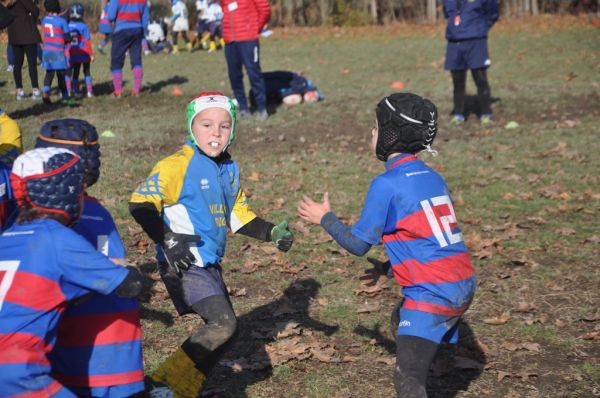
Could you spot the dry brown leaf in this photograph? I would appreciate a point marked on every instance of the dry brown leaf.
(535, 347)
(249, 267)
(369, 291)
(498, 320)
(502, 375)
(294, 184)
(323, 301)
(300, 226)
(523, 306)
(254, 176)
(508, 196)
(368, 307)
(592, 239)
(594, 336)
(388, 360)
(237, 292)
(524, 262)
(325, 354)
(566, 231)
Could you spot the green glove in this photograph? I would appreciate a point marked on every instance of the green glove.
(281, 235)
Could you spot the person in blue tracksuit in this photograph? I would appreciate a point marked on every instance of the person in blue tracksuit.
(469, 22)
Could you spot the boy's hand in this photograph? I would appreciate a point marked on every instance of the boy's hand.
(312, 211)
(177, 251)
(282, 236)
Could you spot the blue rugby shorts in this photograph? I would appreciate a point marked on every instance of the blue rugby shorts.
(467, 54)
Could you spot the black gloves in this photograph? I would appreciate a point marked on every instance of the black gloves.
(177, 250)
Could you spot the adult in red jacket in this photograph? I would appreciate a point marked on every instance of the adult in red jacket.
(242, 23)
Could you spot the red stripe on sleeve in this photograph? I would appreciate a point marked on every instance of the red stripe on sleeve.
(45, 392)
(23, 348)
(433, 308)
(445, 270)
(98, 329)
(102, 380)
(35, 291)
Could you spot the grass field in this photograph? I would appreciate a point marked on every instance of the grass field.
(528, 201)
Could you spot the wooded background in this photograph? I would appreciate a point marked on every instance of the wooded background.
(365, 12)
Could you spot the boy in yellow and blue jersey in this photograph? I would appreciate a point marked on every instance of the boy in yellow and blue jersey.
(185, 206)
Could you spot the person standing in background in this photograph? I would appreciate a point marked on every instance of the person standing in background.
(24, 37)
(242, 23)
(469, 22)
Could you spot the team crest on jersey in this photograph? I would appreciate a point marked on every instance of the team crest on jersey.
(204, 184)
(150, 186)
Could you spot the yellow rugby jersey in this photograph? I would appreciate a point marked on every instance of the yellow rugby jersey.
(196, 195)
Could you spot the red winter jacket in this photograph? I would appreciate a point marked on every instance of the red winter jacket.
(243, 19)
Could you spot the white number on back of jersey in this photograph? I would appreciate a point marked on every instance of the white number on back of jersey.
(441, 226)
(8, 269)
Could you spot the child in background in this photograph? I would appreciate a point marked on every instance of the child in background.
(131, 21)
(180, 24)
(214, 17)
(202, 31)
(104, 357)
(45, 265)
(80, 49)
(186, 206)
(156, 38)
(56, 38)
(409, 209)
(105, 27)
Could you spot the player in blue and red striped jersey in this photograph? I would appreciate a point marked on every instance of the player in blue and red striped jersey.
(55, 57)
(80, 49)
(409, 209)
(98, 351)
(105, 27)
(44, 265)
(131, 22)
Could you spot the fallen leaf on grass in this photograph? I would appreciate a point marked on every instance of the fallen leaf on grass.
(498, 320)
(566, 231)
(592, 239)
(525, 307)
(594, 336)
(388, 360)
(369, 291)
(368, 307)
(512, 346)
(300, 226)
(254, 176)
(524, 262)
(502, 375)
(234, 292)
(325, 354)
(249, 267)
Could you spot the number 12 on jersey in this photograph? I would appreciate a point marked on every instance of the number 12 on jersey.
(441, 226)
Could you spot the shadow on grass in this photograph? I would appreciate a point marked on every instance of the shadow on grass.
(156, 87)
(473, 107)
(454, 367)
(38, 109)
(291, 307)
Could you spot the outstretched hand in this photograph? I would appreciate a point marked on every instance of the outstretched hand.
(312, 211)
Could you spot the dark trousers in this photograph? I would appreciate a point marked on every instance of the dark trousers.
(60, 76)
(123, 40)
(245, 53)
(459, 79)
(20, 51)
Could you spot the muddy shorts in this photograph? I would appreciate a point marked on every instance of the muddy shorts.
(196, 284)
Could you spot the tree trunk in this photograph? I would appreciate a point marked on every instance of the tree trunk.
(431, 11)
(534, 8)
(374, 11)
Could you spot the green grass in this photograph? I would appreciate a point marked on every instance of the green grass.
(545, 73)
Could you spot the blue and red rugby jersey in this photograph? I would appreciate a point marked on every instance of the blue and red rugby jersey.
(80, 48)
(409, 208)
(128, 14)
(43, 265)
(104, 25)
(55, 42)
(99, 347)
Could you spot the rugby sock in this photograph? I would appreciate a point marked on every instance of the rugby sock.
(117, 76)
(70, 85)
(138, 75)
(46, 90)
(88, 84)
(179, 372)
